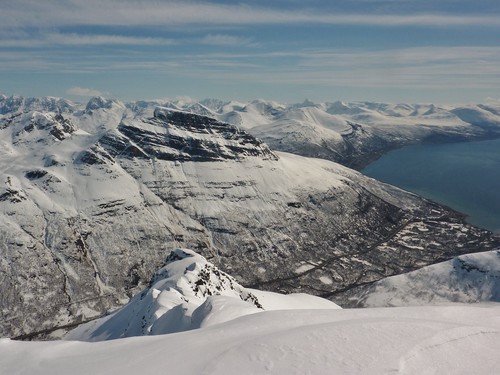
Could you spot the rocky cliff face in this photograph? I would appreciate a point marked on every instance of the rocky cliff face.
(91, 200)
(181, 136)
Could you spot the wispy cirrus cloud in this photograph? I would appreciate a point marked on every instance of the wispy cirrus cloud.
(397, 56)
(417, 66)
(203, 45)
(74, 39)
(405, 68)
(101, 39)
(61, 13)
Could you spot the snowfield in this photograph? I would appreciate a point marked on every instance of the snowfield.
(459, 339)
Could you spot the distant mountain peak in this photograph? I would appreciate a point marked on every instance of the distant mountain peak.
(12, 104)
(99, 102)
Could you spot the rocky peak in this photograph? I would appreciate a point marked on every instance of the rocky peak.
(194, 277)
(200, 109)
(182, 136)
(40, 127)
(98, 102)
(11, 104)
(179, 298)
(50, 104)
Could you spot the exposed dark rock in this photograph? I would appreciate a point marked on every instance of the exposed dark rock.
(176, 138)
(35, 174)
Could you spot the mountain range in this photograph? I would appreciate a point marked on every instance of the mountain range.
(353, 134)
(94, 196)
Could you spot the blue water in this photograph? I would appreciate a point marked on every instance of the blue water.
(463, 176)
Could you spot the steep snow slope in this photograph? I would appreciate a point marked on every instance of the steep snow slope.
(93, 197)
(413, 340)
(468, 278)
(188, 293)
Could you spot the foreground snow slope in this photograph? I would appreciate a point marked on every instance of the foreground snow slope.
(416, 340)
(468, 278)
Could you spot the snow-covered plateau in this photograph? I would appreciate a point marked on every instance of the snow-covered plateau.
(223, 328)
(94, 196)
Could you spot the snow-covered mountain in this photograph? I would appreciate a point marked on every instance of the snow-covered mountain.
(188, 293)
(352, 134)
(92, 198)
(470, 278)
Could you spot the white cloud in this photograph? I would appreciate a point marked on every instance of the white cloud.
(90, 39)
(490, 100)
(86, 92)
(226, 40)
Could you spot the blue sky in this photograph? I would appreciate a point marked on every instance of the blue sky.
(445, 51)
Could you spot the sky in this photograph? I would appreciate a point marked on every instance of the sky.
(415, 51)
